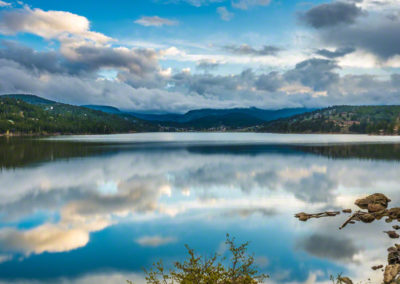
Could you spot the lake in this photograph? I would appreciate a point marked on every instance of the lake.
(99, 209)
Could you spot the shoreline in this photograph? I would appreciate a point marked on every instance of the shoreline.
(194, 131)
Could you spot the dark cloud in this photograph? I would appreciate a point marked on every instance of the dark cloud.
(246, 49)
(318, 187)
(314, 73)
(325, 246)
(210, 84)
(247, 212)
(207, 65)
(137, 61)
(270, 82)
(339, 52)
(88, 59)
(31, 59)
(331, 14)
(378, 36)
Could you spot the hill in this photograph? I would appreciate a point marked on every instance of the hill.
(30, 99)
(208, 119)
(106, 109)
(340, 119)
(27, 114)
(229, 121)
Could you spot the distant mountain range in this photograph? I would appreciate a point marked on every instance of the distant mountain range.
(255, 113)
(29, 114)
(203, 119)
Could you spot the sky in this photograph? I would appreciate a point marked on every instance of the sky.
(178, 55)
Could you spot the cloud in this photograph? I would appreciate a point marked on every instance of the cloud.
(331, 247)
(332, 14)
(47, 61)
(246, 4)
(339, 52)
(136, 61)
(225, 14)
(247, 212)
(379, 36)
(155, 241)
(5, 258)
(4, 4)
(196, 3)
(315, 73)
(142, 84)
(270, 82)
(156, 21)
(48, 24)
(46, 238)
(85, 60)
(370, 27)
(207, 65)
(245, 49)
(91, 278)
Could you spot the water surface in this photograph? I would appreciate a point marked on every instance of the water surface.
(98, 209)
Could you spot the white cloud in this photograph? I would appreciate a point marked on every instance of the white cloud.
(5, 258)
(246, 4)
(196, 3)
(46, 238)
(93, 278)
(49, 25)
(156, 21)
(4, 4)
(225, 14)
(154, 241)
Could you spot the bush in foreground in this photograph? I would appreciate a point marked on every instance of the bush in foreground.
(238, 268)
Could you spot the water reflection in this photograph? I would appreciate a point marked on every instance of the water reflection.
(100, 212)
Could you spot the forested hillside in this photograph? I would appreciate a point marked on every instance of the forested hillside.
(340, 119)
(46, 117)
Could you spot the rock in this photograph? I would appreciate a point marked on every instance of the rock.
(393, 213)
(345, 280)
(394, 257)
(392, 234)
(346, 211)
(391, 271)
(372, 208)
(305, 216)
(396, 227)
(367, 218)
(373, 203)
(376, 267)
(302, 216)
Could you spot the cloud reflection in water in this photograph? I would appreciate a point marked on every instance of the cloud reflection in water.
(121, 210)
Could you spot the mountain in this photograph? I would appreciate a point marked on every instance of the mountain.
(208, 119)
(28, 114)
(340, 119)
(256, 113)
(30, 99)
(106, 109)
(224, 122)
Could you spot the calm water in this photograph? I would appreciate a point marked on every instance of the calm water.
(97, 209)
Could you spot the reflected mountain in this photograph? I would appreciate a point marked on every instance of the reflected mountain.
(388, 152)
(20, 152)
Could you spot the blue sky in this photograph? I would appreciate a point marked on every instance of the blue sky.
(177, 55)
